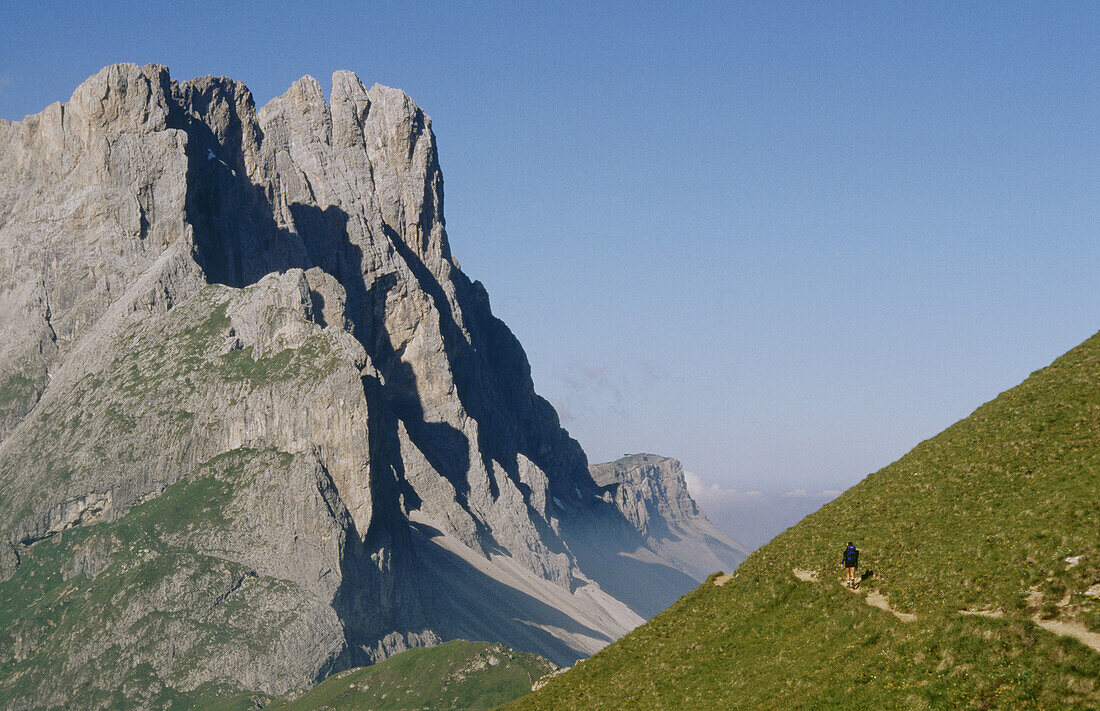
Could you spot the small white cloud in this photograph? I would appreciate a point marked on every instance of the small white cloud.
(829, 493)
(713, 494)
(694, 483)
(796, 493)
(585, 390)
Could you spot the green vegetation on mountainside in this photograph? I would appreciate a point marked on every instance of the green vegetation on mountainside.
(981, 517)
(18, 394)
(118, 605)
(454, 675)
(89, 603)
(144, 401)
(15, 390)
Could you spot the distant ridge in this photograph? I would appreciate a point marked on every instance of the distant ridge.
(651, 492)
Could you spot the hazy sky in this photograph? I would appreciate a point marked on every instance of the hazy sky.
(779, 242)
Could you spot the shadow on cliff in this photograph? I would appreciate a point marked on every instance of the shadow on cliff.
(236, 239)
(469, 604)
(446, 449)
(492, 382)
(610, 550)
(238, 242)
(454, 599)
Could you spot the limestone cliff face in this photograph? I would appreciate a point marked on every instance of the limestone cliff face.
(652, 495)
(196, 296)
(93, 192)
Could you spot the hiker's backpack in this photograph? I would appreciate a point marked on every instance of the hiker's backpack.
(851, 555)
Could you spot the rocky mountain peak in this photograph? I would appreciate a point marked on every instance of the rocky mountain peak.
(237, 359)
(123, 97)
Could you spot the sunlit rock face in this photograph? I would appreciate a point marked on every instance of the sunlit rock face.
(244, 387)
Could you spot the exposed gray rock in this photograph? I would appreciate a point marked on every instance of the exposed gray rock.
(247, 395)
(652, 494)
(92, 192)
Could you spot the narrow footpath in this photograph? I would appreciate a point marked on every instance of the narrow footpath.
(1067, 628)
(873, 598)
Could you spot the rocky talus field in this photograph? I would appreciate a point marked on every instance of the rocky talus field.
(980, 569)
(256, 425)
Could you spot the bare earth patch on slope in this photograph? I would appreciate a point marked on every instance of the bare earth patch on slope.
(877, 599)
(1071, 628)
(982, 613)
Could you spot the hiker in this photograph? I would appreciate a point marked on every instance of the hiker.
(851, 560)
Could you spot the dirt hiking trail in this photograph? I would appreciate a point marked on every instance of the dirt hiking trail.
(1067, 628)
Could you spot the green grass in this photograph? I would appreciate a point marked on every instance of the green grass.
(982, 516)
(454, 675)
(18, 393)
(310, 362)
(16, 390)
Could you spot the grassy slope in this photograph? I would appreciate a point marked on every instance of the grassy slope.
(454, 675)
(981, 516)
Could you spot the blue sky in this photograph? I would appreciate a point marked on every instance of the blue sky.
(782, 242)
